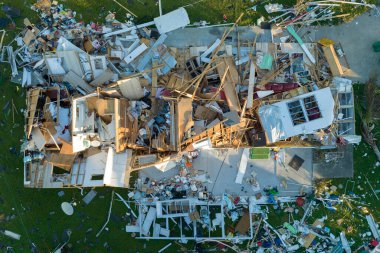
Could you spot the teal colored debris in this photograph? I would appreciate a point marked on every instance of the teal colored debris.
(259, 153)
(294, 34)
(290, 228)
(376, 46)
(266, 63)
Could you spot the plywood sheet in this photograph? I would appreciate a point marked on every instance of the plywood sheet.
(243, 225)
(333, 60)
(123, 125)
(38, 138)
(67, 147)
(184, 116)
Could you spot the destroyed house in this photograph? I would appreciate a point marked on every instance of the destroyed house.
(122, 97)
(195, 219)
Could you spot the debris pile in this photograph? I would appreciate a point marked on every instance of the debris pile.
(307, 13)
(107, 100)
(116, 93)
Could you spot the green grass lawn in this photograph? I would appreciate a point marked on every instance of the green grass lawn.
(36, 214)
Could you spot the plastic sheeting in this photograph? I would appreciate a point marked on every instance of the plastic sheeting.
(271, 121)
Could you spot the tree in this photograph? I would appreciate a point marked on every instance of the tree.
(366, 115)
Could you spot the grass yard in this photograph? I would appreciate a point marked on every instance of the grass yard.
(36, 214)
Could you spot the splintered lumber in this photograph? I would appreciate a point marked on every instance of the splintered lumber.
(122, 6)
(214, 56)
(299, 40)
(332, 60)
(251, 85)
(123, 125)
(154, 79)
(267, 78)
(221, 84)
(232, 69)
(229, 84)
(32, 106)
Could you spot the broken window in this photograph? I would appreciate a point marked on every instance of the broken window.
(312, 108)
(59, 171)
(97, 177)
(302, 111)
(296, 112)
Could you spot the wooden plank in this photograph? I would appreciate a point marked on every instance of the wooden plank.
(184, 117)
(251, 85)
(52, 137)
(221, 83)
(154, 79)
(38, 138)
(332, 60)
(230, 62)
(32, 106)
(122, 125)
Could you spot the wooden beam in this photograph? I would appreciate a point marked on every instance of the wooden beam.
(122, 6)
(251, 85)
(51, 136)
(221, 83)
(154, 78)
(214, 53)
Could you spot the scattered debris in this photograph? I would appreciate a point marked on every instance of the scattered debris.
(107, 100)
(67, 208)
(89, 197)
(11, 234)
